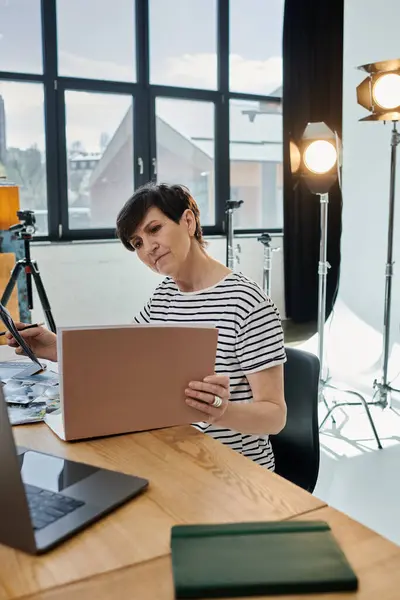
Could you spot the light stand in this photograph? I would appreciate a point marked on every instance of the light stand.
(315, 159)
(384, 390)
(380, 94)
(265, 239)
(323, 267)
(231, 257)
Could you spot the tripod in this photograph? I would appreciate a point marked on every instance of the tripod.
(383, 389)
(323, 267)
(25, 232)
(231, 258)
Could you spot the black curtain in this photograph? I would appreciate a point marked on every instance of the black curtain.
(312, 91)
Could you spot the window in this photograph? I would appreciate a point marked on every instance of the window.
(183, 43)
(98, 98)
(256, 163)
(99, 133)
(21, 38)
(185, 149)
(22, 144)
(255, 34)
(96, 39)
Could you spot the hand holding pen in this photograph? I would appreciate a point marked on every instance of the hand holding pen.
(42, 341)
(24, 328)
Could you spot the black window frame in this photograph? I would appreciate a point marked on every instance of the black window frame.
(144, 95)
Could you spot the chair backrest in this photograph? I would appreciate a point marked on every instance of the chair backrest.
(296, 447)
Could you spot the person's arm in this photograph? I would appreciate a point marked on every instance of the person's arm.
(261, 353)
(267, 413)
(42, 341)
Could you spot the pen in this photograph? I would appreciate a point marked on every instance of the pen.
(23, 328)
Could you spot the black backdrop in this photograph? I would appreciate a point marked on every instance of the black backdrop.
(312, 91)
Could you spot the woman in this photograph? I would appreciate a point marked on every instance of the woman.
(243, 402)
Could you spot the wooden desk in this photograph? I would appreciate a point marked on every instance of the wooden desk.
(192, 478)
(375, 560)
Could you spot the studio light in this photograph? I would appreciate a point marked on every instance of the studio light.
(315, 157)
(379, 93)
(383, 102)
(316, 160)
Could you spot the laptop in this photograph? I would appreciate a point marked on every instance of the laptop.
(45, 499)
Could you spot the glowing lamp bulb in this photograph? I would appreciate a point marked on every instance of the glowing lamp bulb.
(320, 156)
(386, 91)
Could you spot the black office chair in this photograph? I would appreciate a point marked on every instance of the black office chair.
(296, 447)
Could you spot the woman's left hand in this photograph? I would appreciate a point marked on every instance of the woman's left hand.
(210, 396)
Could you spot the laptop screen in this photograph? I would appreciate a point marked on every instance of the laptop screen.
(52, 473)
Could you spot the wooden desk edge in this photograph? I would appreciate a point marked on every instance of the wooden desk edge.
(122, 580)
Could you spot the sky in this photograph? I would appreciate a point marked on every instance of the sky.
(96, 40)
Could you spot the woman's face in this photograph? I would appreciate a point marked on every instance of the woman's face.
(162, 244)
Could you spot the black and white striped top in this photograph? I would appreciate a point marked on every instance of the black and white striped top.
(250, 339)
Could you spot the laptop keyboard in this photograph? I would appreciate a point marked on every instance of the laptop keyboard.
(47, 507)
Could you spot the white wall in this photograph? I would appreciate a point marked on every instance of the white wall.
(370, 34)
(355, 336)
(102, 283)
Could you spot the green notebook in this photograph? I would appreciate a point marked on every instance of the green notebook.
(266, 558)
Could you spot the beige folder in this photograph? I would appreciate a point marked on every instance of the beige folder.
(122, 379)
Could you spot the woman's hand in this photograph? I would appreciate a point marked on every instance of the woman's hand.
(42, 341)
(206, 395)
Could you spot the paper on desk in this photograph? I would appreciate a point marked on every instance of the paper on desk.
(35, 411)
(20, 415)
(9, 369)
(30, 398)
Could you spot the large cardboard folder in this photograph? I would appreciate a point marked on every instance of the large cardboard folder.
(122, 379)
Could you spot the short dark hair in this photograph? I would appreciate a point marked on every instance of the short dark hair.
(172, 200)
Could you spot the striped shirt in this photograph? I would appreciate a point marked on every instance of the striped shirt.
(250, 339)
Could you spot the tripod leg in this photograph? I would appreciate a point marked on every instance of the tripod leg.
(362, 402)
(365, 404)
(43, 296)
(329, 414)
(29, 288)
(12, 281)
(324, 400)
(395, 411)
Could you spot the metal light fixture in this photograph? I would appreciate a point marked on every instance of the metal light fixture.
(232, 253)
(316, 160)
(265, 240)
(379, 93)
